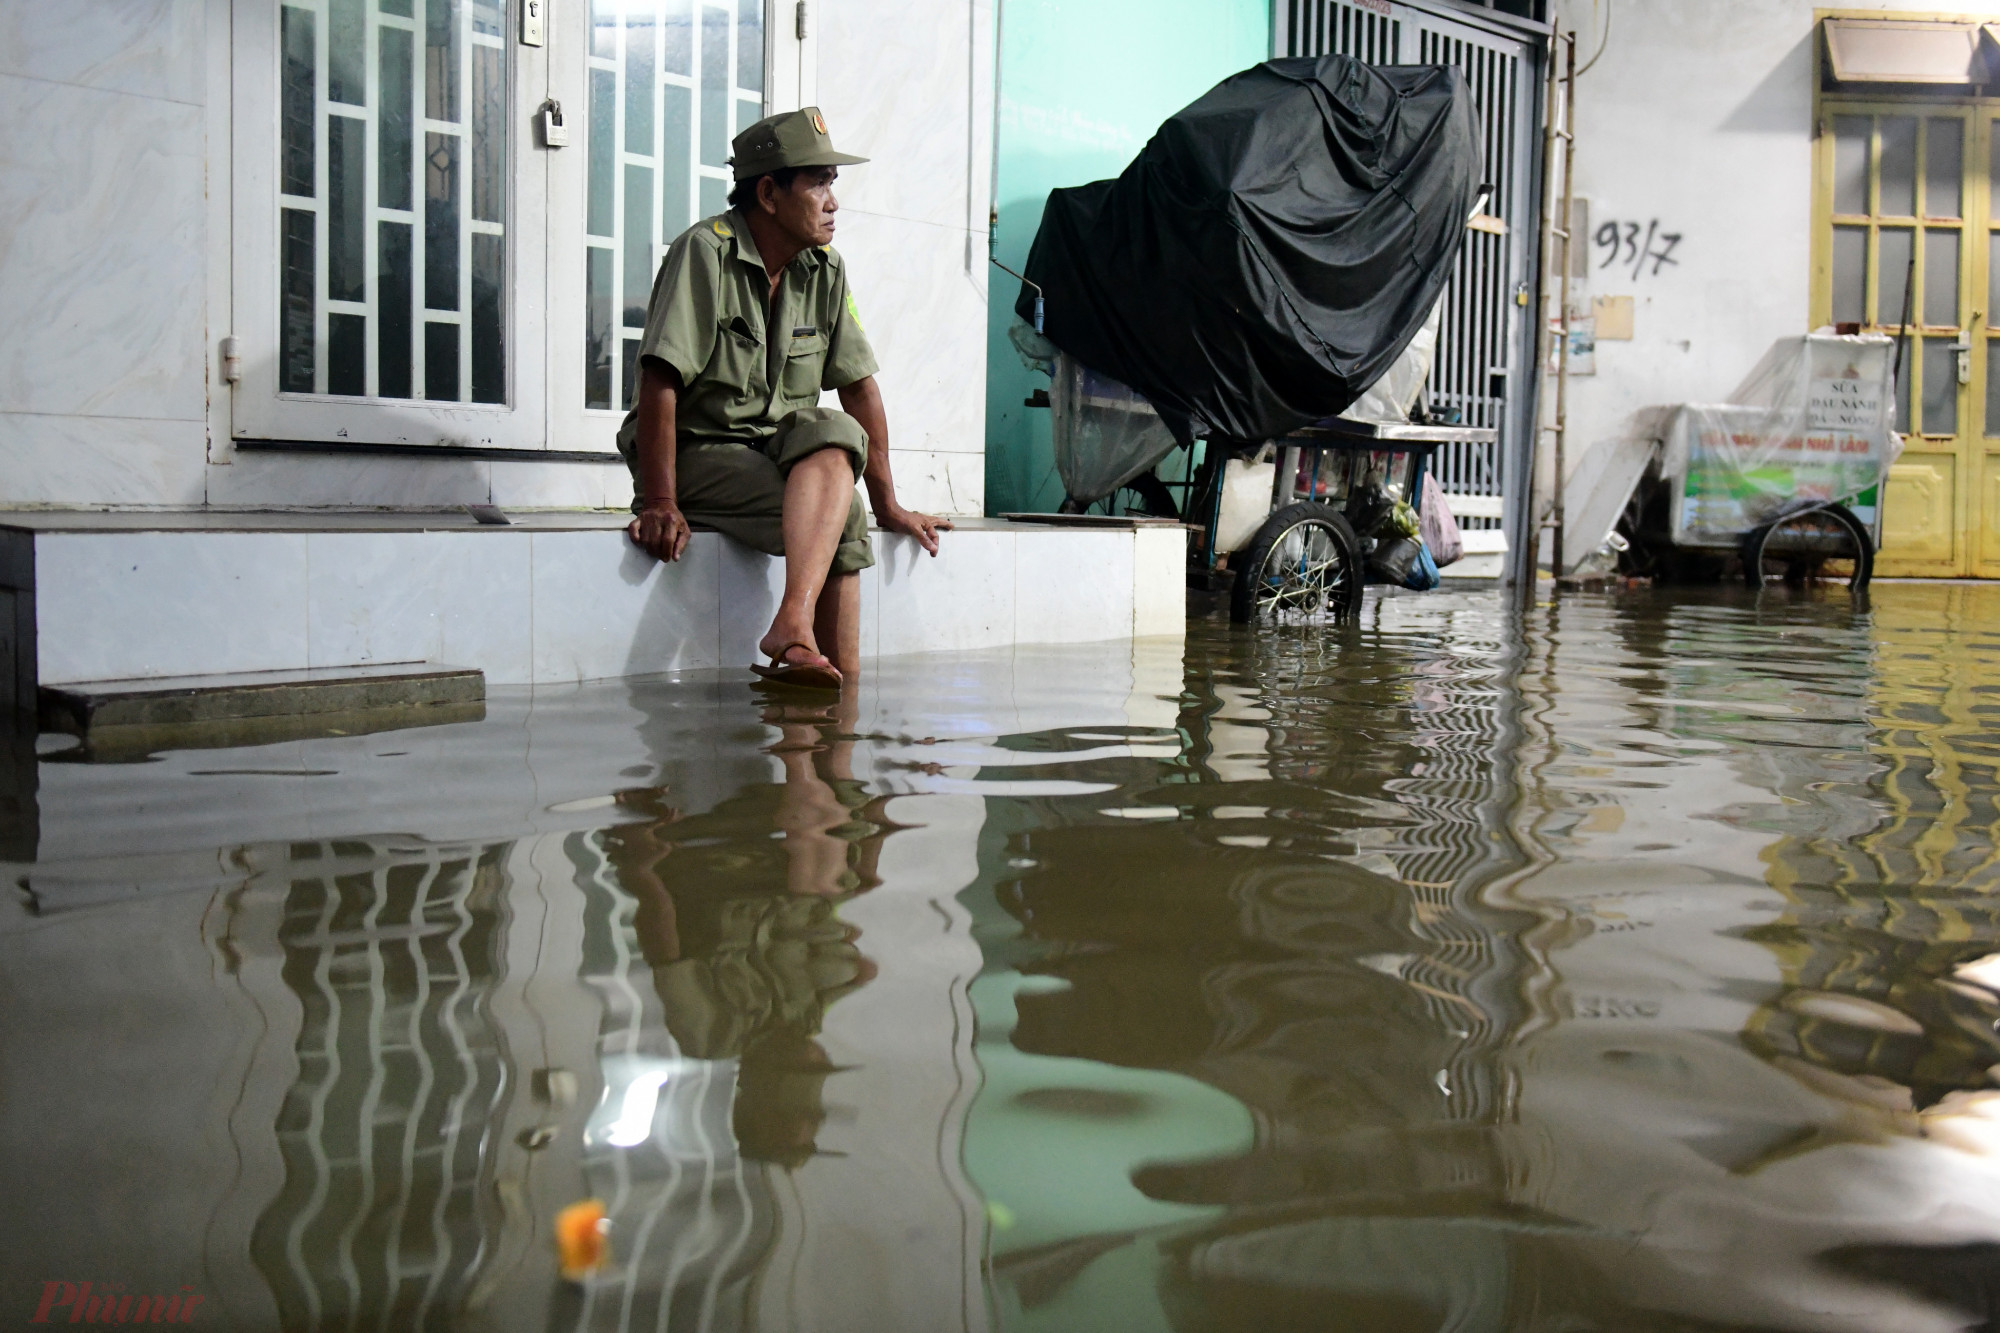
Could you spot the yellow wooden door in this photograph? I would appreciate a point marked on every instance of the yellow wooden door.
(1903, 216)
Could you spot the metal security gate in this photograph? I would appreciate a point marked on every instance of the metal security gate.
(1486, 345)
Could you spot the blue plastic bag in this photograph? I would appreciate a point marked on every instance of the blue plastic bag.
(1424, 573)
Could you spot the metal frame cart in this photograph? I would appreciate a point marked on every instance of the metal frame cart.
(1806, 542)
(1332, 528)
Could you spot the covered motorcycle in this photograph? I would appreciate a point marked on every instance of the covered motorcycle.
(1269, 253)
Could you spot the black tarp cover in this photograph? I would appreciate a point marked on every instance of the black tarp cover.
(1273, 247)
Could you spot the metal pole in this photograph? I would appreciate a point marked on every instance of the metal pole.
(1569, 244)
(1531, 536)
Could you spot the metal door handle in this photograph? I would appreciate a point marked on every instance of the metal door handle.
(1964, 349)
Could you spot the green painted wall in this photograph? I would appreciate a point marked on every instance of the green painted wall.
(1083, 85)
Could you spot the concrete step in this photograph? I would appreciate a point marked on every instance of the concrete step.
(549, 599)
(252, 707)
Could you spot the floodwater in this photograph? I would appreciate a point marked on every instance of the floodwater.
(1613, 967)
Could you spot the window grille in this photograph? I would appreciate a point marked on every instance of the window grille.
(391, 949)
(392, 168)
(671, 83)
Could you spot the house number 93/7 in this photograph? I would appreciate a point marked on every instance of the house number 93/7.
(1628, 244)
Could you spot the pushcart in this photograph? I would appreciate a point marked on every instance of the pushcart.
(1788, 475)
(1345, 497)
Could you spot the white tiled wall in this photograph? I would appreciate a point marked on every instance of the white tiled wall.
(542, 606)
(103, 252)
(908, 83)
(114, 185)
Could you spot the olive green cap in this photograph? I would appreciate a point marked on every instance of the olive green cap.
(788, 139)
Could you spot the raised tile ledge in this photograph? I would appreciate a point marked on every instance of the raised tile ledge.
(554, 598)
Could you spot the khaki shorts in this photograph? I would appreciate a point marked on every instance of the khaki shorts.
(739, 489)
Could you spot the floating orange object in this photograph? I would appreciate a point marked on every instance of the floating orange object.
(583, 1238)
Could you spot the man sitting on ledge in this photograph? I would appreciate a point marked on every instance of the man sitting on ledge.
(749, 320)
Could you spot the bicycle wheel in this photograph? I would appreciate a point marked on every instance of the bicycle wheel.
(1303, 564)
(1823, 546)
(1144, 496)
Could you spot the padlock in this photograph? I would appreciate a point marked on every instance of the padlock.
(555, 134)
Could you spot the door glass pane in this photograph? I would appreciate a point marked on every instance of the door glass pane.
(489, 287)
(1940, 277)
(750, 48)
(1993, 169)
(1906, 360)
(347, 52)
(664, 106)
(441, 222)
(347, 354)
(602, 187)
(441, 362)
(1993, 387)
(1944, 167)
(1850, 164)
(393, 357)
(676, 166)
(415, 186)
(715, 128)
(677, 21)
(441, 42)
(1850, 264)
(296, 100)
(1893, 248)
(489, 114)
(297, 348)
(638, 244)
(1899, 167)
(1940, 388)
(597, 327)
(640, 33)
(397, 120)
(1992, 276)
(346, 208)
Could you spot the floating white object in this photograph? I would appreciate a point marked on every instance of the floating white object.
(1852, 1011)
(1981, 972)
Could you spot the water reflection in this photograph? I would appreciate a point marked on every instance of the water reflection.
(1620, 968)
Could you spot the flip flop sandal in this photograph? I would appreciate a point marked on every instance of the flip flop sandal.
(804, 675)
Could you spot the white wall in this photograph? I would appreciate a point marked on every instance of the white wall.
(114, 257)
(1697, 116)
(908, 83)
(103, 252)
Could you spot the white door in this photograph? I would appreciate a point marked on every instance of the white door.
(652, 92)
(390, 241)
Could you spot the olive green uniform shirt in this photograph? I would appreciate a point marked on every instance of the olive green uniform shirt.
(745, 361)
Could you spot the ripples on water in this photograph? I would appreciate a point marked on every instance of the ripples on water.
(1615, 969)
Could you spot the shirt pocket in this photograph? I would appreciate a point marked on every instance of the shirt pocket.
(805, 363)
(739, 354)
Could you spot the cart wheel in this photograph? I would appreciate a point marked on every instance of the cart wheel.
(1145, 496)
(1817, 546)
(1303, 564)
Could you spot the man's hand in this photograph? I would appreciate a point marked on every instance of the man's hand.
(660, 530)
(912, 524)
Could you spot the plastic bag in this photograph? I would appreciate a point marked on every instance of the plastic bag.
(1438, 526)
(1246, 502)
(1035, 351)
(1814, 421)
(1105, 434)
(1424, 572)
(1394, 560)
(1389, 399)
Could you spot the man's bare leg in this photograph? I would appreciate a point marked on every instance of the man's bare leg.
(817, 495)
(837, 623)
